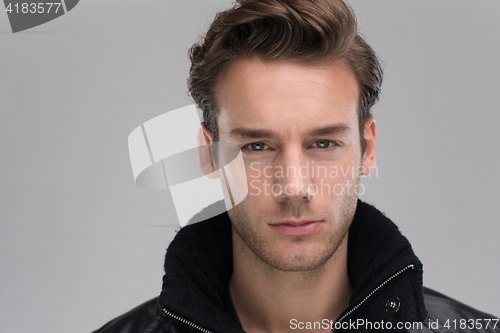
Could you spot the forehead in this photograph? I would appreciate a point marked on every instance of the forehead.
(279, 93)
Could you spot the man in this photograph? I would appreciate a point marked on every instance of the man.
(291, 83)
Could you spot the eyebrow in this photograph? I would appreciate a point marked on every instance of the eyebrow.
(340, 129)
(244, 133)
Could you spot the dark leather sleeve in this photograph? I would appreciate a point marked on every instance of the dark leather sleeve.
(441, 308)
(146, 318)
(134, 321)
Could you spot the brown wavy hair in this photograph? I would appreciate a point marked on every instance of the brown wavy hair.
(305, 31)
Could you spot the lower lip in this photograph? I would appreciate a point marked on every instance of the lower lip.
(306, 229)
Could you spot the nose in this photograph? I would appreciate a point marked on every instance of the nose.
(295, 182)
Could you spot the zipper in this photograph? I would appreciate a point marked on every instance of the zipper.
(187, 322)
(370, 295)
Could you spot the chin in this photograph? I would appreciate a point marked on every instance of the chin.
(299, 256)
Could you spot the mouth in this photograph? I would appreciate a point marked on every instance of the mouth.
(298, 228)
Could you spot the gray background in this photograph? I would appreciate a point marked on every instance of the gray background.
(78, 244)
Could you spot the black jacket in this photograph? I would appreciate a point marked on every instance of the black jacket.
(385, 274)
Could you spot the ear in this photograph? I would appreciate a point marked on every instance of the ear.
(203, 141)
(370, 156)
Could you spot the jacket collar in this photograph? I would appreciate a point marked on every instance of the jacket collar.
(198, 267)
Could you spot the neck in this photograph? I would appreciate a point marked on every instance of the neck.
(267, 299)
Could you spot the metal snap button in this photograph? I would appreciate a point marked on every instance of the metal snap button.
(392, 305)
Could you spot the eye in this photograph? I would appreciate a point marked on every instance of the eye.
(256, 146)
(323, 144)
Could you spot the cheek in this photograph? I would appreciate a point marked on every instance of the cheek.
(334, 182)
(260, 194)
(259, 180)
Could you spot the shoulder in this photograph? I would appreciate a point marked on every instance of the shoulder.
(136, 320)
(449, 315)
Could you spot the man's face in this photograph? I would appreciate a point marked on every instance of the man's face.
(297, 126)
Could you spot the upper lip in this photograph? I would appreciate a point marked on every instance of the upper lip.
(295, 223)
